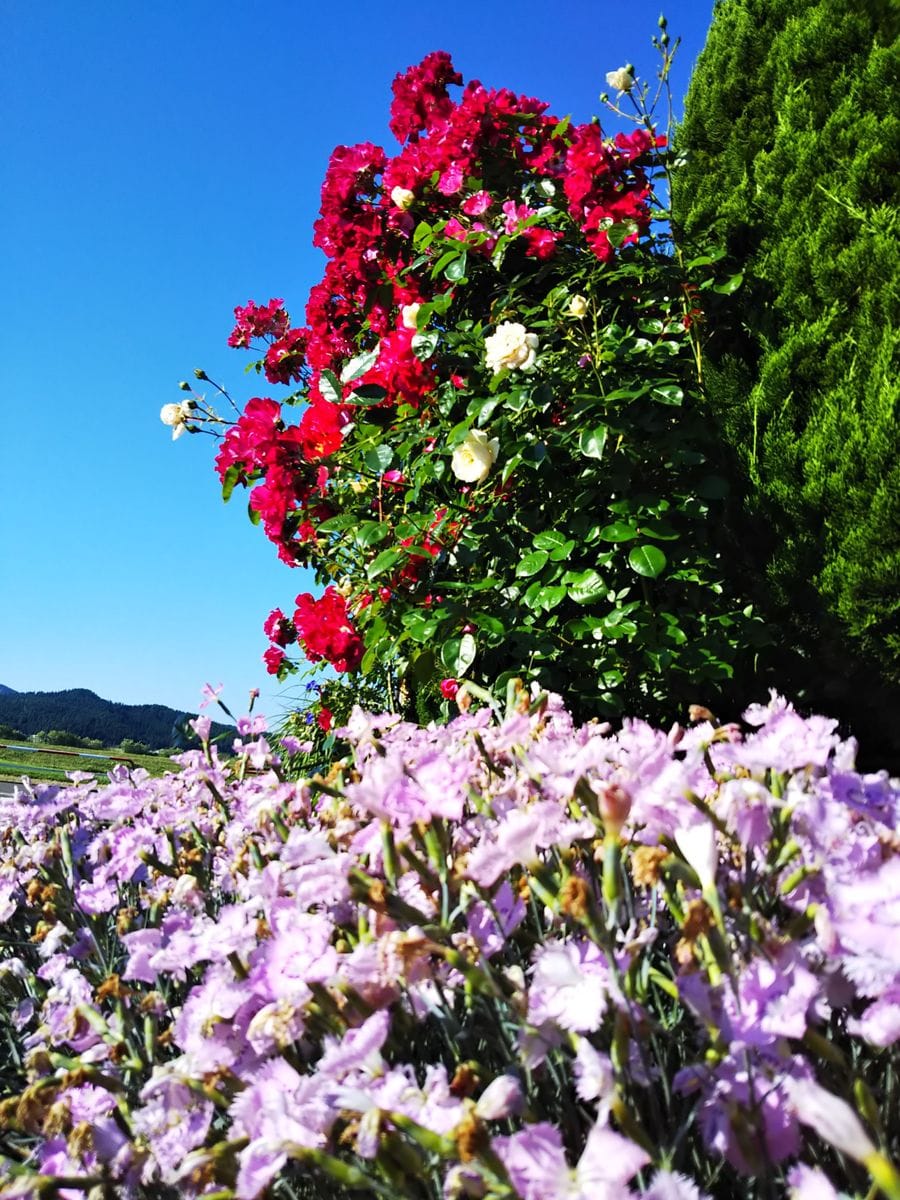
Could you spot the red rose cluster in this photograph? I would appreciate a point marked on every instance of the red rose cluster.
(464, 167)
(324, 629)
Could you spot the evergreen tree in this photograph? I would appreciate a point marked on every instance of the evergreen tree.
(791, 141)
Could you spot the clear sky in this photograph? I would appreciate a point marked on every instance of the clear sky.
(161, 164)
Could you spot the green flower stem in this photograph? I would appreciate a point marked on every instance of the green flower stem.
(612, 866)
(884, 1174)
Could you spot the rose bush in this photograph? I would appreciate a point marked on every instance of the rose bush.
(502, 463)
(510, 957)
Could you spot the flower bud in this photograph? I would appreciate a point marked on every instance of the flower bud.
(614, 804)
(578, 307)
(402, 197)
(500, 1099)
(408, 315)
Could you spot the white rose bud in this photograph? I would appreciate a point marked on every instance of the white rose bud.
(474, 456)
(512, 347)
(578, 306)
(402, 197)
(622, 80)
(408, 315)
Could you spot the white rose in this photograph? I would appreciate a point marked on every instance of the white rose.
(174, 415)
(408, 315)
(578, 306)
(622, 80)
(474, 456)
(511, 346)
(402, 197)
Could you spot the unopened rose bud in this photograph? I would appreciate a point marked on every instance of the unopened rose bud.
(408, 315)
(185, 386)
(402, 197)
(200, 373)
(578, 307)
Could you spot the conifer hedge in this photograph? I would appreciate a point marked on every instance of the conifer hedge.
(791, 143)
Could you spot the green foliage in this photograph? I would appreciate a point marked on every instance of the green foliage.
(792, 145)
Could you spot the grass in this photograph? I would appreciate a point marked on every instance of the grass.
(54, 762)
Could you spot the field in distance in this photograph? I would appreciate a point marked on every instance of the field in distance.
(52, 763)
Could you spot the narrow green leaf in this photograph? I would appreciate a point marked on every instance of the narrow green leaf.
(232, 475)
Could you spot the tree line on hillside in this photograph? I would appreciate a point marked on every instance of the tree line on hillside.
(79, 717)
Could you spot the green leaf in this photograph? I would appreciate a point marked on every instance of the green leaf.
(648, 561)
(549, 539)
(727, 286)
(425, 344)
(358, 366)
(423, 235)
(668, 393)
(370, 533)
(545, 598)
(383, 562)
(593, 441)
(444, 261)
(490, 625)
(618, 531)
(584, 586)
(379, 458)
(458, 654)
(336, 524)
(330, 388)
(530, 564)
(659, 530)
(367, 393)
(456, 270)
(232, 475)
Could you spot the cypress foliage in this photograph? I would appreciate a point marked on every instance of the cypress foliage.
(791, 140)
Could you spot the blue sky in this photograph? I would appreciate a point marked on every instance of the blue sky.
(162, 164)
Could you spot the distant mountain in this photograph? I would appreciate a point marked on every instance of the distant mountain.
(85, 714)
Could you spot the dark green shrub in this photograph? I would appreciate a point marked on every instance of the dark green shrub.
(792, 145)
